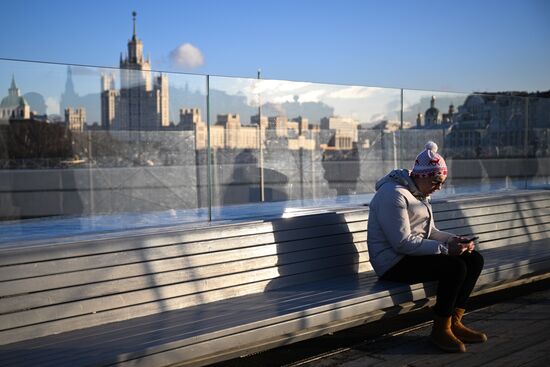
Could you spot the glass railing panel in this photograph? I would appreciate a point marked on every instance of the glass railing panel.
(504, 154)
(90, 149)
(97, 149)
(489, 141)
(317, 145)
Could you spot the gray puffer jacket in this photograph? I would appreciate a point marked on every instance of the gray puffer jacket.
(401, 223)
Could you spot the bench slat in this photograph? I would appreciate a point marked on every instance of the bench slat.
(488, 210)
(522, 239)
(489, 199)
(349, 252)
(527, 215)
(58, 279)
(52, 266)
(326, 267)
(495, 227)
(37, 253)
(55, 325)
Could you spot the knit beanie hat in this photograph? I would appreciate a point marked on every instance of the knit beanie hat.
(428, 163)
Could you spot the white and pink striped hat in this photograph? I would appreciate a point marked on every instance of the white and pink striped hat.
(428, 163)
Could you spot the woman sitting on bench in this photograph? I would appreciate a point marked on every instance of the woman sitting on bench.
(405, 246)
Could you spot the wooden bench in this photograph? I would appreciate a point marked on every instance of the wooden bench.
(194, 297)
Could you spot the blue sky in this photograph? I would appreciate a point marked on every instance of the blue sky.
(483, 45)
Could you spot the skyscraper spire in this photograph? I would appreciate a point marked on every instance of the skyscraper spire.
(135, 47)
(134, 16)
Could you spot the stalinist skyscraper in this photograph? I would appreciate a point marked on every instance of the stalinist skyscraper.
(141, 103)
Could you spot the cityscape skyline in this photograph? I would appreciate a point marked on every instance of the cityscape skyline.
(474, 46)
(309, 100)
(142, 102)
(228, 95)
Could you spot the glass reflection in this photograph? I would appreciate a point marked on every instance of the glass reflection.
(98, 149)
(490, 141)
(299, 144)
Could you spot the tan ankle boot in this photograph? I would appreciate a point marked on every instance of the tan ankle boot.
(443, 337)
(465, 334)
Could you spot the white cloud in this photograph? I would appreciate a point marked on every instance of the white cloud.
(276, 87)
(187, 56)
(315, 95)
(378, 117)
(273, 91)
(354, 92)
(280, 99)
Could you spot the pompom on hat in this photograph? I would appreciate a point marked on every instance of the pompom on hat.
(428, 163)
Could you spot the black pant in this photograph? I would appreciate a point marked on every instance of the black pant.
(457, 276)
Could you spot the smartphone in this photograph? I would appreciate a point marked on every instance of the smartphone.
(468, 239)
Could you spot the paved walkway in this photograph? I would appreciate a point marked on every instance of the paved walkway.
(518, 330)
(517, 322)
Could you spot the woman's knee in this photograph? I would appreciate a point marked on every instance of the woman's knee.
(474, 260)
(456, 268)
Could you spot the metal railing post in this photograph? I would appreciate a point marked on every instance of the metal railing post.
(209, 150)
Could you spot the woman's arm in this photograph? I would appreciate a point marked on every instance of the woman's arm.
(394, 222)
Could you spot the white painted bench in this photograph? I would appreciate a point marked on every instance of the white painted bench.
(194, 297)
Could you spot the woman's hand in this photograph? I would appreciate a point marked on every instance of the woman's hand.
(456, 245)
(469, 246)
(468, 243)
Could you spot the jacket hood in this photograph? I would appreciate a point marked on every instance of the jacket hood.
(401, 177)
